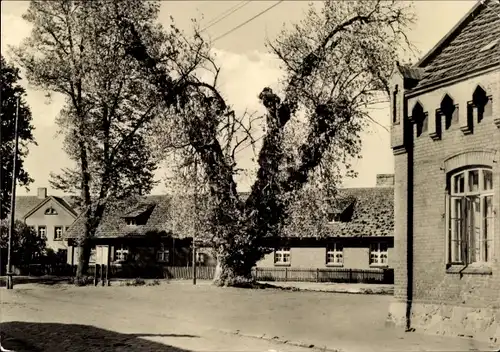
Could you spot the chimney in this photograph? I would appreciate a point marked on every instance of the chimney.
(385, 180)
(42, 193)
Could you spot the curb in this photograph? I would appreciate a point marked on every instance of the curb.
(362, 291)
(280, 340)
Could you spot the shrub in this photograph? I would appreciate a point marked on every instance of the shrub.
(136, 282)
(155, 282)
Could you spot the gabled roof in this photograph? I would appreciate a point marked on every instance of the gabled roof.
(27, 205)
(459, 52)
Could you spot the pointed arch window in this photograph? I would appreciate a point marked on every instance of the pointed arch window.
(480, 106)
(419, 117)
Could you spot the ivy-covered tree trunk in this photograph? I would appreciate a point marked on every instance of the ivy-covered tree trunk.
(336, 62)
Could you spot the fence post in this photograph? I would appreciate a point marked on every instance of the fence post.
(350, 275)
(102, 276)
(95, 274)
(317, 274)
(286, 274)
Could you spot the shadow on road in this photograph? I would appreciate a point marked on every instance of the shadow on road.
(43, 280)
(37, 337)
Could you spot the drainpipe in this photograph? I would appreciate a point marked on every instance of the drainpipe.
(409, 134)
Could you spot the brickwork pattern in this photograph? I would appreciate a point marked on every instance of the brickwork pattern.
(475, 296)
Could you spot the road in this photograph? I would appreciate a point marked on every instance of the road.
(194, 318)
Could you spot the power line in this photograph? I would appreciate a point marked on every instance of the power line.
(225, 14)
(249, 20)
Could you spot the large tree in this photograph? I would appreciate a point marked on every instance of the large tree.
(10, 90)
(337, 62)
(27, 246)
(75, 49)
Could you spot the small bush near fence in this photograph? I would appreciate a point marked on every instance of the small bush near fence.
(130, 271)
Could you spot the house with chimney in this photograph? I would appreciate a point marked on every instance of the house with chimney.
(49, 216)
(138, 232)
(446, 145)
(359, 234)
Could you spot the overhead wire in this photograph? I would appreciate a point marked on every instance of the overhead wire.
(247, 21)
(225, 14)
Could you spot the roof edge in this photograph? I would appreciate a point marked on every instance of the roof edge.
(45, 201)
(462, 22)
(451, 80)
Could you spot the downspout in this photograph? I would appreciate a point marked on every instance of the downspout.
(409, 136)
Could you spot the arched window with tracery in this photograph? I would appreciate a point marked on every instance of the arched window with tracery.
(470, 216)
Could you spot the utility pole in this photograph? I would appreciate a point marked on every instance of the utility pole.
(195, 227)
(10, 283)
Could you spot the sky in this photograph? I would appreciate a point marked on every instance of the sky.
(247, 67)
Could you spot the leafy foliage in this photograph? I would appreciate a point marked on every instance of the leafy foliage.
(27, 245)
(337, 62)
(75, 49)
(11, 88)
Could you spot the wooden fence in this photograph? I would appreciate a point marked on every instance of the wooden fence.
(130, 271)
(380, 276)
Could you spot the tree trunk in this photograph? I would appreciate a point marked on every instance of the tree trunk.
(228, 274)
(83, 261)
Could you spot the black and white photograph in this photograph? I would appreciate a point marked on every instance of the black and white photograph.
(250, 176)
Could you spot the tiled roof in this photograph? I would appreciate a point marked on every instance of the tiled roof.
(113, 223)
(373, 213)
(138, 209)
(460, 52)
(25, 204)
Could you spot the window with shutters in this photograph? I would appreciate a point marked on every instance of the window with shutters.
(470, 216)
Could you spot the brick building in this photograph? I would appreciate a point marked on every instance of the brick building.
(446, 143)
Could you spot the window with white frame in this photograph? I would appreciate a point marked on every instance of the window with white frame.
(42, 231)
(282, 256)
(162, 255)
(379, 253)
(58, 231)
(121, 253)
(470, 216)
(335, 254)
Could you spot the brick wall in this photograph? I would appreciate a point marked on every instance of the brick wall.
(432, 282)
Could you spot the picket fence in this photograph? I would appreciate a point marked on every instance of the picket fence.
(380, 276)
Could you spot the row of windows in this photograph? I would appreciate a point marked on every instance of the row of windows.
(42, 231)
(121, 254)
(478, 108)
(470, 216)
(335, 254)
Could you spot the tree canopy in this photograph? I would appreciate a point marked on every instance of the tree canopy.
(75, 49)
(337, 61)
(10, 90)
